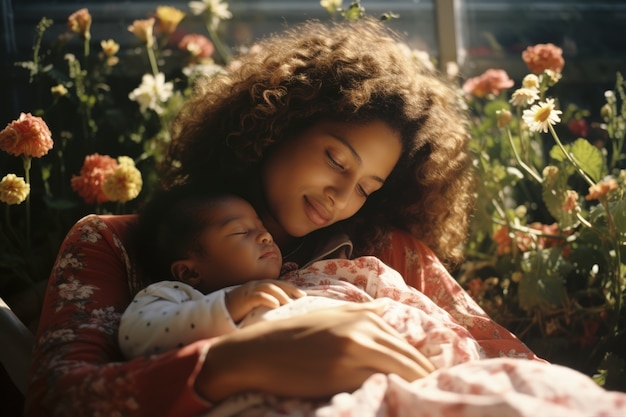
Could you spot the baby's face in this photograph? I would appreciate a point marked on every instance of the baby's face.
(237, 247)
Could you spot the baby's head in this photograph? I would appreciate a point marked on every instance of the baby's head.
(208, 241)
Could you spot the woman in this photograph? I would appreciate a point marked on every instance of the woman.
(329, 131)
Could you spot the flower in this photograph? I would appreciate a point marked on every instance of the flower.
(504, 117)
(543, 57)
(152, 92)
(94, 172)
(531, 81)
(29, 136)
(80, 22)
(199, 46)
(601, 189)
(578, 127)
(143, 29)
(58, 90)
(124, 183)
(331, 6)
(215, 11)
(168, 18)
(109, 49)
(524, 96)
(13, 189)
(571, 201)
(492, 81)
(539, 116)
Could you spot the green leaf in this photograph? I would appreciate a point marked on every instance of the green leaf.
(586, 155)
(554, 193)
(618, 211)
(543, 283)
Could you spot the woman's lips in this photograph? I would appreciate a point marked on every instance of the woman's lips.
(316, 212)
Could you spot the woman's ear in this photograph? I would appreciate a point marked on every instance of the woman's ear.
(184, 271)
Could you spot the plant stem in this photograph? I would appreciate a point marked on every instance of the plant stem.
(526, 168)
(570, 157)
(27, 163)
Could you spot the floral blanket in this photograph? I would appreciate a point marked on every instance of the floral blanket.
(466, 383)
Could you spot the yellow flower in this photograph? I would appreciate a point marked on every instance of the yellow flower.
(531, 81)
(124, 183)
(168, 18)
(58, 90)
(143, 29)
(331, 6)
(13, 189)
(541, 115)
(110, 47)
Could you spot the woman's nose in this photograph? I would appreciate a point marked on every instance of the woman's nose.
(339, 194)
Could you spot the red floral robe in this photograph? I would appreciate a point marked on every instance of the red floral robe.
(78, 369)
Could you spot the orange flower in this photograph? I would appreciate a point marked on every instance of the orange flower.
(491, 81)
(13, 189)
(144, 30)
(29, 135)
(502, 238)
(199, 46)
(80, 22)
(543, 57)
(602, 188)
(94, 172)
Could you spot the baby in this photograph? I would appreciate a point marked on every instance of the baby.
(223, 274)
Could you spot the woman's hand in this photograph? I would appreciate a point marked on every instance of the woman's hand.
(310, 356)
(267, 293)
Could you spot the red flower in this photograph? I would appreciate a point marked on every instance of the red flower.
(29, 135)
(94, 172)
(578, 127)
(543, 57)
(491, 81)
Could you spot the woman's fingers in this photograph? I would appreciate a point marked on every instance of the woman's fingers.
(314, 355)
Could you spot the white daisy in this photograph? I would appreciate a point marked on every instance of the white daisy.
(541, 115)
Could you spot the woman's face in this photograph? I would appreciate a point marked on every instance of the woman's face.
(326, 173)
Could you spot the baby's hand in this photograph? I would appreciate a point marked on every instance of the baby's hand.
(268, 293)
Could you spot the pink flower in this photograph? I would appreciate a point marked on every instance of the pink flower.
(491, 81)
(199, 46)
(602, 188)
(29, 135)
(80, 22)
(94, 172)
(543, 57)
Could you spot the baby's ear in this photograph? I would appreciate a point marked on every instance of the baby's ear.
(183, 270)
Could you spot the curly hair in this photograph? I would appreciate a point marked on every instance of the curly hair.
(351, 72)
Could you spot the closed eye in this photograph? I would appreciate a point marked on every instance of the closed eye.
(333, 162)
(362, 191)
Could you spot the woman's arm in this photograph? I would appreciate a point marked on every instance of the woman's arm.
(77, 366)
(422, 270)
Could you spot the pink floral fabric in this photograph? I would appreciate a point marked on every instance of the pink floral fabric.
(425, 325)
(78, 369)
